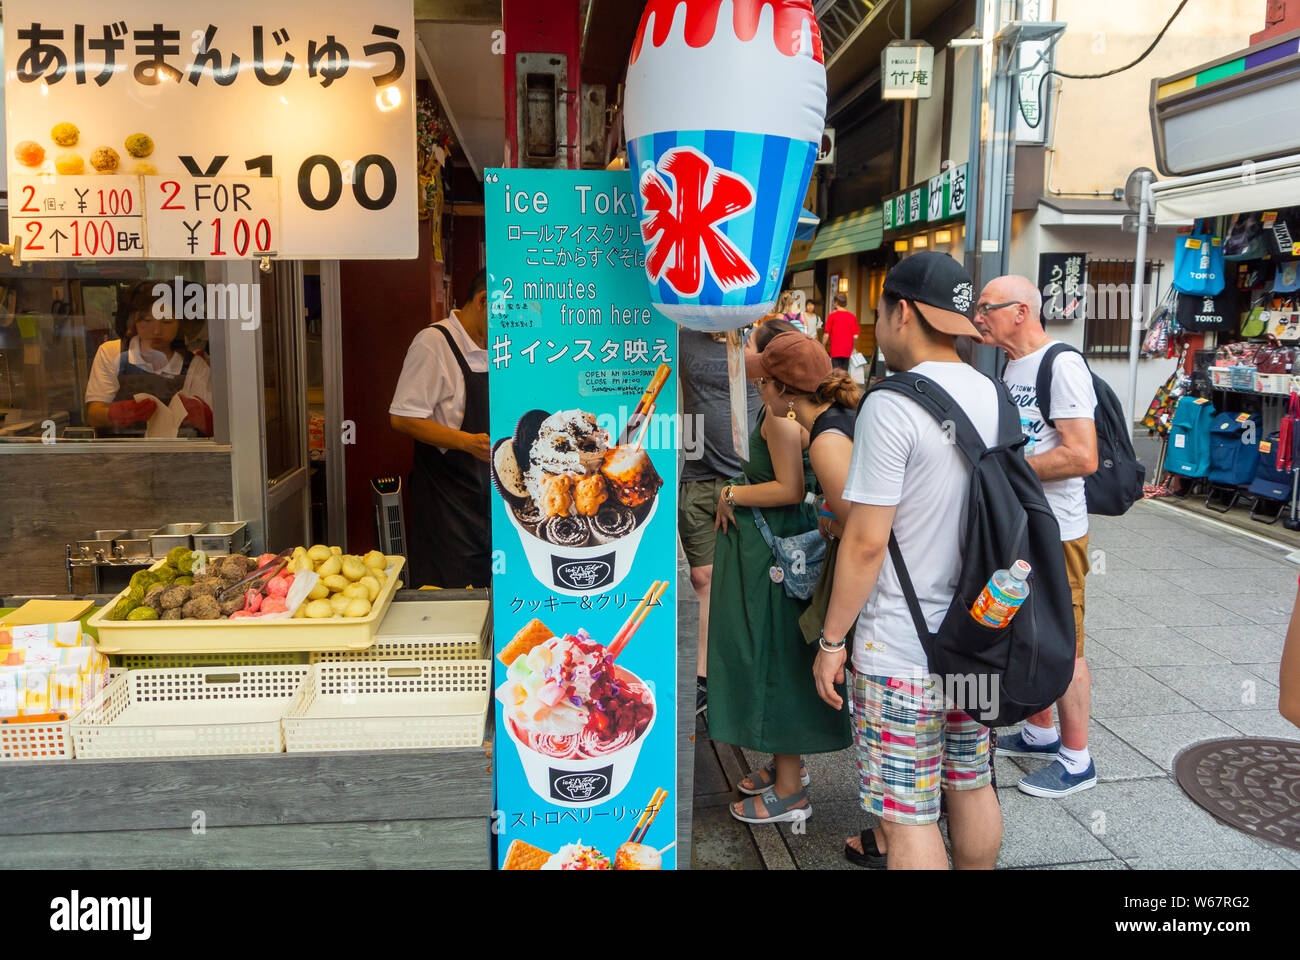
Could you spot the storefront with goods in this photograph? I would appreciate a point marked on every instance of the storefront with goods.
(190, 675)
(1227, 415)
(196, 668)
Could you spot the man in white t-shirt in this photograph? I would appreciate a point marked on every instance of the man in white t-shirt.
(906, 475)
(441, 402)
(1062, 453)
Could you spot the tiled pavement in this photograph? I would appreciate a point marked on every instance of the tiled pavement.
(1185, 625)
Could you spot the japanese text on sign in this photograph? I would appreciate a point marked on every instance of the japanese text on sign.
(319, 96)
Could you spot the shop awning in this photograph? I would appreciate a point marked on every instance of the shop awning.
(858, 231)
(1266, 185)
(807, 225)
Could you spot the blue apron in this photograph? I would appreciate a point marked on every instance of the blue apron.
(132, 379)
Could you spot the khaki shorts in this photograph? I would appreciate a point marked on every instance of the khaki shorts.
(1076, 568)
(697, 503)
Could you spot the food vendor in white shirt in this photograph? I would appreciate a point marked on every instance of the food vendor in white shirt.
(150, 358)
(441, 402)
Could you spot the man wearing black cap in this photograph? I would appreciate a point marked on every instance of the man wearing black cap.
(908, 477)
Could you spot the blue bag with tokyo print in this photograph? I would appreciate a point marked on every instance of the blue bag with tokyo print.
(1199, 267)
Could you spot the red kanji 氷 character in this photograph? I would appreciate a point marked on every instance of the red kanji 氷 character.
(681, 224)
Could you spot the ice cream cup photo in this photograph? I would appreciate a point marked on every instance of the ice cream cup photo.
(575, 571)
(579, 780)
(577, 718)
(579, 501)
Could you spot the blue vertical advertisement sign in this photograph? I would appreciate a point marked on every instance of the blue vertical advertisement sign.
(584, 433)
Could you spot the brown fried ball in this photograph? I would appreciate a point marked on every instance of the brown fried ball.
(173, 614)
(232, 603)
(173, 597)
(153, 596)
(207, 587)
(201, 608)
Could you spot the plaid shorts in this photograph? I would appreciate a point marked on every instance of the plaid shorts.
(904, 743)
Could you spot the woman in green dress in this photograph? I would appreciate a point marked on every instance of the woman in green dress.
(761, 693)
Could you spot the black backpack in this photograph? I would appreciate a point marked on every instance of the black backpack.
(997, 675)
(1117, 484)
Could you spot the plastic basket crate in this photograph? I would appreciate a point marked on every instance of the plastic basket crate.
(153, 661)
(390, 705)
(1221, 376)
(425, 630)
(1273, 382)
(50, 740)
(194, 711)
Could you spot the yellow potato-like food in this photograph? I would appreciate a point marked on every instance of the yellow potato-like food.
(353, 568)
(330, 567)
(301, 564)
(377, 574)
(319, 592)
(335, 582)
(354, 590)
(375, 559)
(298, 552)
(69, 164)
(318, 553)
(357, 607)
(338, 602)
(301, 612)
(337, 551)
(371, 585)
(65, 134)
(320, 610)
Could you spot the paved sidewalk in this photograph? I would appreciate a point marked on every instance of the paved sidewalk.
(1185, 624)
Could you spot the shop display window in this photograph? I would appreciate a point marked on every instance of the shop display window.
(64, 327)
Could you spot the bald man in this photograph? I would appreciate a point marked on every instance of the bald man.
(1062, 453)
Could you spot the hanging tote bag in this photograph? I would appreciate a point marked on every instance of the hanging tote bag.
(1199, 267)
(799, 558)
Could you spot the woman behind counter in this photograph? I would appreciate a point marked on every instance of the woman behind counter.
(150, 358)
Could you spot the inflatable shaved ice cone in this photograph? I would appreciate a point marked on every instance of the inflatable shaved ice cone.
(724, 112)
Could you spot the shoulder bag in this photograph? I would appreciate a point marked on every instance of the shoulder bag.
(798, 559)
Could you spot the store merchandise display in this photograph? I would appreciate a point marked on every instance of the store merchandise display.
(1237, 284)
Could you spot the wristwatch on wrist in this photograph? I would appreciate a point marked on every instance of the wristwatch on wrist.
(729, 494)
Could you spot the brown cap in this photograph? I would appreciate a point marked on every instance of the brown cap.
(939, 288)
(796, 360)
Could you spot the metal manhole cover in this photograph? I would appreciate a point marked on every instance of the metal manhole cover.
(1252, 785)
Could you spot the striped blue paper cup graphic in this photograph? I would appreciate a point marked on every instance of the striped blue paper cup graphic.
(718, 211)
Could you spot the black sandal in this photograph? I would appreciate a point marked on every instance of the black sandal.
(871, 857)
